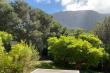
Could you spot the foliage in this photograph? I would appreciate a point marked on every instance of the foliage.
(71, 50)
(103, 30)
(45, 64)
(95, 41)
(28, 24)
(73, 32)
(56, 29)
(6, 37)
(35, 25)
(19, 59)
(8, 18)
(23, 57)
(5, 40)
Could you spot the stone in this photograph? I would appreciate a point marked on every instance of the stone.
(54, 71)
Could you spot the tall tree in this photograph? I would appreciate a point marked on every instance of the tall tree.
(103, 30)
(35, 24)
(25, 23)
(8, 18)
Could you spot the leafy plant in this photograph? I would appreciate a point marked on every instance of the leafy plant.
(71, 50)
(19, 59)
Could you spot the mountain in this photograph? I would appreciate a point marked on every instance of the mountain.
(86, 19)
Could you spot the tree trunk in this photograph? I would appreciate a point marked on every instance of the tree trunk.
(78, 66)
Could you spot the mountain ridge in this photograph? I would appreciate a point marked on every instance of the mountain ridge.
(86, 19)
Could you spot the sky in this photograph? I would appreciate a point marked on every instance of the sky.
(53, 6)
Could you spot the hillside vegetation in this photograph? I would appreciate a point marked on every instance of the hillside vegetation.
(29, 35)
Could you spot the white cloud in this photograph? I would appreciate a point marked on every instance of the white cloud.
(66, 2)
(102, 6)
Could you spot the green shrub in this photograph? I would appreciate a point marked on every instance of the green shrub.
(23, 57)
(70, 50)
(19, 59)
(6, 37)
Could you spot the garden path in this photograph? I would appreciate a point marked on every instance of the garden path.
(54, 71)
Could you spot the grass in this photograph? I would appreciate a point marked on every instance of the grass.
(47, 64)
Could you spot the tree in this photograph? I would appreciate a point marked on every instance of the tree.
(71, 50)
(56, 29)
(103, 30)
(8, 18)
(73, 32)
(25, 23)
(34, 26)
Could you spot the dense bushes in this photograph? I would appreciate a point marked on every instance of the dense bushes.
(71, 50)
(95, 41)
(19, 59)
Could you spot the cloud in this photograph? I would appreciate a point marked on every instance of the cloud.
(66, 2)
(102, 6)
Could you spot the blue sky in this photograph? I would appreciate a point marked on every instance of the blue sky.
(47, 6)
(52, 6)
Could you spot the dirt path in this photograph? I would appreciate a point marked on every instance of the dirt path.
(54, 71)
